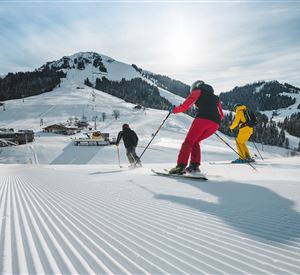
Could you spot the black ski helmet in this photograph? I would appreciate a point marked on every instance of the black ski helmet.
(196, 85)
(237, 105)
(124, 126)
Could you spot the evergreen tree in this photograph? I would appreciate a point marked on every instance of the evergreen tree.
(281, 138)
(102, 69)
(87, 82)
(291, 124)
(80, 65)
(287, 143)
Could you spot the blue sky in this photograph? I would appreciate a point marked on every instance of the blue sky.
(225, 43)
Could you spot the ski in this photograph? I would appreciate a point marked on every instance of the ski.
(186, 175)
(228, 162)
(220, 162)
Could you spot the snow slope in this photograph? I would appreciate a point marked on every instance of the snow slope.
(285, 112)
(116, 71)
(74, 210)
(102, 219)
(69, 101)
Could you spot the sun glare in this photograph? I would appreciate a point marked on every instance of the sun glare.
(181, 44)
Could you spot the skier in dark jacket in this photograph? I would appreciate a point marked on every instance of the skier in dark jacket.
(206, 122)
(130, 141)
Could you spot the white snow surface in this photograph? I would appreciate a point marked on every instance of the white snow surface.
(285, 112)
(71, 209)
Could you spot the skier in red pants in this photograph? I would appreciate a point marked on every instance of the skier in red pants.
(207, 121)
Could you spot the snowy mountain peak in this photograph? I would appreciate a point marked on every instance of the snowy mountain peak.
(79, 61)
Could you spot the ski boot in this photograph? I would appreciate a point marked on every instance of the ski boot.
(179, 169)
(193, 168)
(250, 159)
(138, 164)
(132, 165)
(239, 160)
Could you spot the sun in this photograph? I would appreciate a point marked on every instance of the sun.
(181, 44)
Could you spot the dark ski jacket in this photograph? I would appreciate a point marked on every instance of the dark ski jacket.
(208, 105)
(129, 137)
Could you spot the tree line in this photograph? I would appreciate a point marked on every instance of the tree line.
(165, 82)
(136, 91)
(266, 131)
(24, 84)
(140, 92)
(291, 124)
(260, 96)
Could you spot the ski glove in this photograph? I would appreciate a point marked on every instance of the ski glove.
(171, 108)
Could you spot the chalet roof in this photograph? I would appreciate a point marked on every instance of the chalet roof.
(59, 127)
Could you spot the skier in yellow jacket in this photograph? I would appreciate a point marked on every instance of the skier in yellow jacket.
(244, 134)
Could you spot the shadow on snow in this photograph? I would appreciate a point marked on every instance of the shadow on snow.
(76, 154)
(250, 209)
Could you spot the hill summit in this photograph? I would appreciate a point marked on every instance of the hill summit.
(100, 72)
(261, 96)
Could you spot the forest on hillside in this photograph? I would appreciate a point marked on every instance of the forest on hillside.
(260, 96)
(24, 84)
(136, 91)
(266, 131)
(162, 81)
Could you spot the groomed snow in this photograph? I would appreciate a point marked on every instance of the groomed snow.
(72, 209)
(102, 219)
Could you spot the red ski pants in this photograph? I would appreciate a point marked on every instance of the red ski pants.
(200, 129)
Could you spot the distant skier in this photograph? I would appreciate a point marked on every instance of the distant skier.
(245, 132)
(207, 121)
(130, 139)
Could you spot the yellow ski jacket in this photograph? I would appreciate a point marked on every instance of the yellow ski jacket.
(239, 117)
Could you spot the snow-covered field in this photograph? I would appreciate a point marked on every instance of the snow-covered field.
(103, 219)
(72, 209)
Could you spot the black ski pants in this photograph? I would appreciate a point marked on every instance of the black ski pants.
(131, 154)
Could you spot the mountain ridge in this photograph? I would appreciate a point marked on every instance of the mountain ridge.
(94, 65)
(261, 96)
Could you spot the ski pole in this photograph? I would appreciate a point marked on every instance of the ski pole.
(257, 150)
(228, 145)
(160, 126)
(118, 153)
(155, 149)
(234, 150)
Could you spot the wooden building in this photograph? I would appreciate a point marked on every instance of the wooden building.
(60, 129)
(10, 137)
